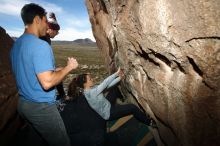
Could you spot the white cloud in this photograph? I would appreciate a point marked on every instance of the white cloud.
(72, 26)
(13, 7)
(49, 7)
(76, 22)
(68, 34)
(71, 34)
(15, 32)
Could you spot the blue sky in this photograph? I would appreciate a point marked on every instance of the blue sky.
(72, 17)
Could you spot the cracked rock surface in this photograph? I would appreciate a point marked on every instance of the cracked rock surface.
(170, 52)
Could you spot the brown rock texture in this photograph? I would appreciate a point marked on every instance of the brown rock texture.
(9, 119)
(170, 52)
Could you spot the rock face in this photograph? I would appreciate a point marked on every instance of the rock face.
(170, 52)
(9, 120)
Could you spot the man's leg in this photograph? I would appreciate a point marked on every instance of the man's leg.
(46, 119)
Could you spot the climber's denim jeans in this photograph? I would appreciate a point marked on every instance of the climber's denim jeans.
(46, 120)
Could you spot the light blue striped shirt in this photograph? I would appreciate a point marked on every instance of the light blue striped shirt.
(96, 98)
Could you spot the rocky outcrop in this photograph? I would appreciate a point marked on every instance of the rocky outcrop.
(170, 51)
(9, 120)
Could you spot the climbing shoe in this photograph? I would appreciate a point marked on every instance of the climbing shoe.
(153, 124)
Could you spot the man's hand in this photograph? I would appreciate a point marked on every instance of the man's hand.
(59, 68)
(72, 63)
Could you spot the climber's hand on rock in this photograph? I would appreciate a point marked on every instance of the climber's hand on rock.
(118, 71)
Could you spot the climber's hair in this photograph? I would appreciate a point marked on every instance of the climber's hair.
(29, 11)
(75, 88)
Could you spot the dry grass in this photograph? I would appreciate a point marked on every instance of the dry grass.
(88, 57)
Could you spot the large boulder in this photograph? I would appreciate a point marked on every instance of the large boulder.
(170, 53)
(9, 119)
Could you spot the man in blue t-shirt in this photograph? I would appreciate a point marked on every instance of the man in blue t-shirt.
(33, 66)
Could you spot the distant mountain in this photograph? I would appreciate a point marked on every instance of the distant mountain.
(87, 42)
(84, 41)
(62, 42)
(14, 38)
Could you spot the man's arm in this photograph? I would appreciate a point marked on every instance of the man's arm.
(49, 79)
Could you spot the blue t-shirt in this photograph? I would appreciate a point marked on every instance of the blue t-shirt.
(29, 57)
